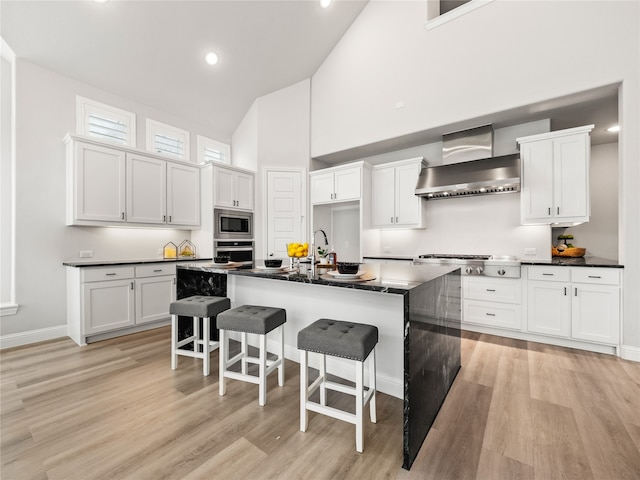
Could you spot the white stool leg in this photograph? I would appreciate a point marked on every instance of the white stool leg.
(262, 374)
(243, 349)
(196, 334)
(205, 347)
(304, 419)
(323, 373)
(174, 341)
(281, 357)
(222, 364)
(359, 402)
(372, 384)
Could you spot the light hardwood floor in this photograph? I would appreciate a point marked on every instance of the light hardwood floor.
(116, 410)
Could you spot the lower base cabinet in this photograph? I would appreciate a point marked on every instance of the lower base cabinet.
(108, 299)
(492, 302)
(579, 303)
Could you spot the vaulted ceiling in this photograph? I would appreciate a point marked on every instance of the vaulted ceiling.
(152, 52)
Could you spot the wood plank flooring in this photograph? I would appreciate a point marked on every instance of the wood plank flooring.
(116, 410)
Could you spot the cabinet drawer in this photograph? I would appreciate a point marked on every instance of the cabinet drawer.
(502, 290)
(155, 270)
(554, 274)
(106, 273)
(492, 314)
(602, 276)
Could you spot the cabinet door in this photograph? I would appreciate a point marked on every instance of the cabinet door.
(322, 188)
(407, 203)
(108, 305)
(571, 179)
(383, 197)
(99, 182)
(536, 197)
(595, 313)
(153, 297)
(347, 184)
(244, 191)
(549, 308)
(183, 195)
(223, 187)
(146, 189)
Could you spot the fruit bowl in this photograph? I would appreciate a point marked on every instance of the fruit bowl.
(297, 250)
(348, 267)
(575, 252)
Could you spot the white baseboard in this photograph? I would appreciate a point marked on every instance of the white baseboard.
(32, 336)
(628, 352)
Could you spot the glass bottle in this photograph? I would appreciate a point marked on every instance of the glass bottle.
(332, 258)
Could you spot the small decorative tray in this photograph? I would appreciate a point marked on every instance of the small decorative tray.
(569, 252)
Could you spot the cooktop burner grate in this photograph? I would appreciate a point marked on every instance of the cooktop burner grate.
(455, 256)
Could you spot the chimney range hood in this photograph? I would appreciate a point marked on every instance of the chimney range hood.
(471, 169)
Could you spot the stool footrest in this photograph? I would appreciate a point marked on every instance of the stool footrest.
(332, 412)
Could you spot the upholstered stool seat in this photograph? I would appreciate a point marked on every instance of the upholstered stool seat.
(251, 319)
(198, 307)
(349, 340)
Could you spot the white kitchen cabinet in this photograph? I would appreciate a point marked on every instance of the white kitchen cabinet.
(107, 299)
(555, 177)
(146, 189)
(95, 184)
(117, 300)
(183, 195)
(580, 303)
(155, 290)
(233, 188)
(336, 184)
(394, 203)
(112, 185)
(493, 302)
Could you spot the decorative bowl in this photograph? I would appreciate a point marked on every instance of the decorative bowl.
(273, 262)
(348, 267)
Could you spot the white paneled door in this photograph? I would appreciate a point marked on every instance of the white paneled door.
(286, 217)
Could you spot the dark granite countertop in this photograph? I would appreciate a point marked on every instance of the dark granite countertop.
(104, 263)
(575, 262)
(398, 279)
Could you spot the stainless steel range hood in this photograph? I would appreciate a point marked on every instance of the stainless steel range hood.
(471, 168)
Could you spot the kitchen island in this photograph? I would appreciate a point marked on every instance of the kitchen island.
(416, 310)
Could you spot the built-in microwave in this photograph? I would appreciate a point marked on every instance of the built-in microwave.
(231, 224)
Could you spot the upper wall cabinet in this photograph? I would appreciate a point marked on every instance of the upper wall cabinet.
(336, 184)
(555, 177)
(117, 186)
(233, 188)
(393, 200)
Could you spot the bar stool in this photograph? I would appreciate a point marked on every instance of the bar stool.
(197, 307)
(257, 320)
(354, 341)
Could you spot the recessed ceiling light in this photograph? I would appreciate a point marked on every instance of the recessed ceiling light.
(615, 128)
(211, 58)
(325, 3)
(101, 1)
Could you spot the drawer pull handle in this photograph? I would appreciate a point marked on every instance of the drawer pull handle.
(491, 290)
(491, 314)
(595, 276)
(109, 274)
(158, 270)
(548, 274)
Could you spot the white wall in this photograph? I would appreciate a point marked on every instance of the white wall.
(600, 235)
(274, 133)
(503, 56)
(45, 109)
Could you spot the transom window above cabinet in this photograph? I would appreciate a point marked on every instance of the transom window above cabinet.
(167, 140)
(212, 151)
(104, 122)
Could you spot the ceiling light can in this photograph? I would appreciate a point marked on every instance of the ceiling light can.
(211, 58)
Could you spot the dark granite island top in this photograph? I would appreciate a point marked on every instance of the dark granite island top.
(416, 310)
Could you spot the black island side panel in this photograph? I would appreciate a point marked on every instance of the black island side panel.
(198, 282)
(432, 357)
